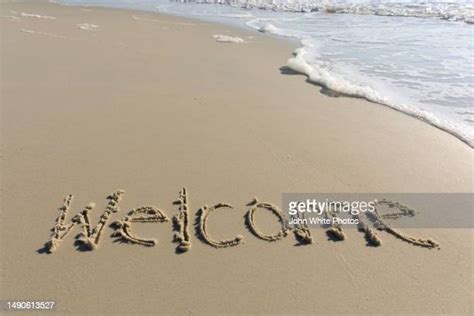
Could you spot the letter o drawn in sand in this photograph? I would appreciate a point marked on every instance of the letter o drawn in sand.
(275, 210)
(204, 212)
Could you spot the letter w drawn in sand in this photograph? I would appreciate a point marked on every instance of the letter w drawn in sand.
(89, 237)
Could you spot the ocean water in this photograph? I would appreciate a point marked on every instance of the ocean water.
(414, 56)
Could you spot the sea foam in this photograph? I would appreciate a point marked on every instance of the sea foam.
(37, 16)
(452, 11)
(87, 27)
(43, 33)
(227, 39)
(330, 80)
(12, 18)
(317, 74)
(305, 61)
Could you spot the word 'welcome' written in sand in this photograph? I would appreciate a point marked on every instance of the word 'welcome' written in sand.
(89, 237)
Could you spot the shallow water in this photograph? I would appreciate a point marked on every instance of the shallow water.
(417, 57)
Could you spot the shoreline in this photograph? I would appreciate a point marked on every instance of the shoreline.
(292, 55)
(155, 105)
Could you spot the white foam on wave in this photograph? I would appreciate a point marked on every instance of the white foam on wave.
(271, 29)
(227, 39)
(42, 33)
(37, 16)
(445, 11)
(238, 16)
(88, 27)
(140, 18)
(305, 61)
(12, 18)
(452, 11)
(333, 81)
(318, 74)
(268, 28)
(469, 20)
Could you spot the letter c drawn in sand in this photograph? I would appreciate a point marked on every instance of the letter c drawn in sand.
(202, 228)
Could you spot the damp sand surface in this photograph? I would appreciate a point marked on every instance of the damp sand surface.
(152, 104)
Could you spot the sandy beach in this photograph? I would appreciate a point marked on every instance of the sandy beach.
(94, 100)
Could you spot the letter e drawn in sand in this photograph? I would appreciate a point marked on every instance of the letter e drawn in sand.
(202, 228)
(404, 211)
(143, 214)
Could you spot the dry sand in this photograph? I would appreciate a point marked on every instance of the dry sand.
(95, 100)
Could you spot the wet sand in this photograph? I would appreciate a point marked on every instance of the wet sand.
(96, 100)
